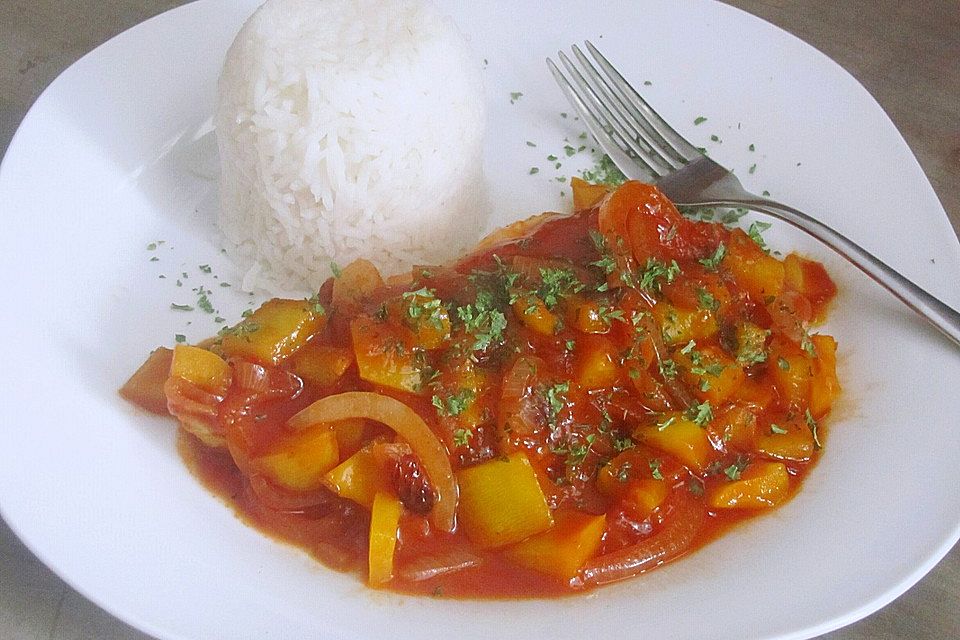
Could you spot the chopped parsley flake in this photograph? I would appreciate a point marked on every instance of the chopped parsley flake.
(706, 300)
(514, 96)
(461, 437)
(807, 345)
(556, 399)
(455, 404)
(753, 342)
(180, 337)
(483, 320)
(713, 262)
(557, 283)
(755, 231)
(205, 268)
(655, 272)
(734, 471)
(783, 363)
(534, 170)
(699, 120)
(423, 304)
(814, 429)
(701, 414)
(695, 487)
(606, 263)
(608, 314)
(605, 171)
(666, 423)
(335, 269)
(180, 307)
(655, 468)
(578, 452)
(777, 429)
(315, 305)
(668, 368)
(203, 302)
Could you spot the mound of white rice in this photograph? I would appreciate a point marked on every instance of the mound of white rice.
(348, 128)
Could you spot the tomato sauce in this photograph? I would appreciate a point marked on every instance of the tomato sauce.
(610, 390)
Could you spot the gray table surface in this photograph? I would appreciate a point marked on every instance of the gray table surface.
(906, 53)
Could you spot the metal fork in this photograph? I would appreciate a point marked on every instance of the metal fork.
(643, 145)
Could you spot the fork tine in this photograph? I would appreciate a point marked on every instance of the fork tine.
(648, 140)
(612, 124)
(617, 149)
(644, 111)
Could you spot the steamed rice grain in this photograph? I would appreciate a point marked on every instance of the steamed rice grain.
(348, 129)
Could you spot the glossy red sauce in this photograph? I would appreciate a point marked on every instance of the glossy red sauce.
(743, 369)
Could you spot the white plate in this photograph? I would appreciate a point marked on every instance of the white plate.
(103, 165)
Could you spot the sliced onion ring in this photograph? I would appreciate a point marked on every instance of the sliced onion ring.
(439, 564)
(676, 537)
(408, 425)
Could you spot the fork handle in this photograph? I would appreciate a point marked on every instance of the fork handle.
(936, 312)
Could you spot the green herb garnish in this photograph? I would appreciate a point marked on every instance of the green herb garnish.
(713, 262)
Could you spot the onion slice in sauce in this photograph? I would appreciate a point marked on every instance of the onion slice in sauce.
(443, 563)
(408, 425)
(677, 535)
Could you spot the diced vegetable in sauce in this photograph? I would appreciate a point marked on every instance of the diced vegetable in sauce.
(581, 400)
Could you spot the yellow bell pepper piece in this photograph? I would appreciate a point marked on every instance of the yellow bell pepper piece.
(321, 364)
(359, 478)
(759, 274)
(596, 363)
(356, 281)
(350, 435)
(792, 373)
(534, 314)
(501, 502)
(735, 427)
(385, 354)
(203, 368)
(463, 378)
(586, 195)
(145, 386)
(762, 485)
(586, 317)
(824, 386)
(796, 444)
(562, 550)
(384, 521)
(274, 332)
(680, 326)
(712, 374)
(428, 319)
(680, 437)
(299, 462)
(645, 495)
